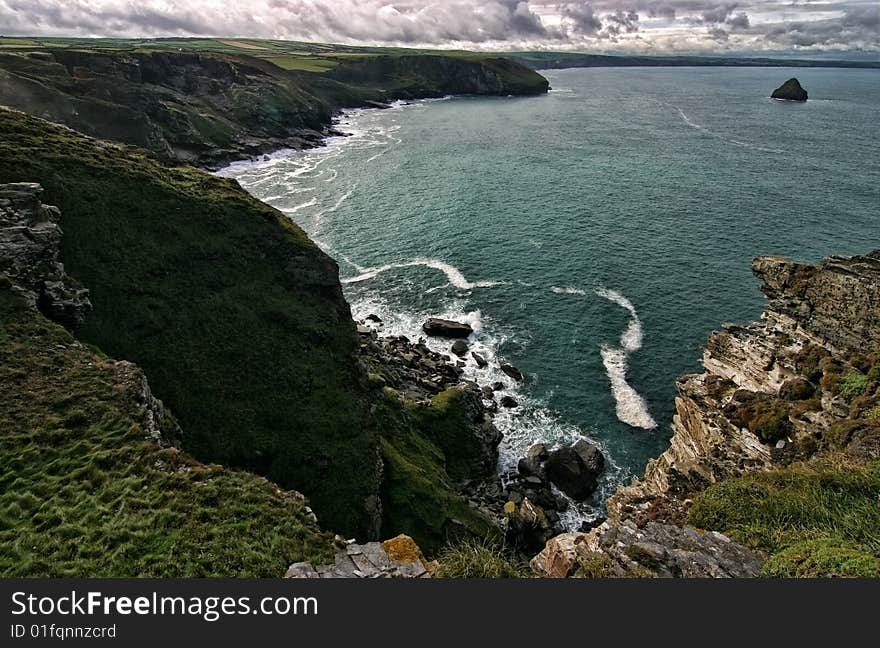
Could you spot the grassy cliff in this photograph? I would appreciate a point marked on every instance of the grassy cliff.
(236, 317)
(87, 491)
(211, 101)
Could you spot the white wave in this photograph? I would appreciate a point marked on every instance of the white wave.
(567, 290)
(305, 205)
(335, 207)
(453, 274)
(631, 408)
(687, 120)
(631, 339)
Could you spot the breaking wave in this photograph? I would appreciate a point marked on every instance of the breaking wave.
(453, 274)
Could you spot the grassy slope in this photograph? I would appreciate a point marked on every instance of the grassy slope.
(822, 517)
(420, 450)
(85, 492)
(235, 316)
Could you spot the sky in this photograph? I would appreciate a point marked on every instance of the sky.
(647, 26)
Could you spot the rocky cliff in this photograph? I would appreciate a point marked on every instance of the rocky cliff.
(212, 108)
(780, 399)
(30, 238)
(417, 76)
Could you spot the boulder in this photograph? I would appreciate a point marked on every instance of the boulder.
(791, 90)
(512, 371)
(558, 558)
(575, 470)
(460, 348)
(498, 386)
(527, 525)
(437, 327)
(509, 402)
(533, 462)
(480, 360)
(373, 318)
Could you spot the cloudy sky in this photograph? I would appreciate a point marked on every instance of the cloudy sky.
(595, 25)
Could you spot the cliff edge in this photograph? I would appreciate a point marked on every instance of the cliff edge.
(786, 413)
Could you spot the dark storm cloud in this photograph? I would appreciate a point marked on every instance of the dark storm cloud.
(581, 24)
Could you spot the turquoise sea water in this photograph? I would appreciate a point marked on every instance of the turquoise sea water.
(594, 236)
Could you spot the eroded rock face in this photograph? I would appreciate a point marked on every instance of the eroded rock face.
(399, 557)
(30, 236)
(836, 301)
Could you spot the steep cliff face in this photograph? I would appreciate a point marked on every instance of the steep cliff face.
(410, 77)
(782, 397)
(236, 317)
(93, 482)
(184, 106)
(211, 108)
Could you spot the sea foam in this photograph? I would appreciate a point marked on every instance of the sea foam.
(630, 407)
(453, 275)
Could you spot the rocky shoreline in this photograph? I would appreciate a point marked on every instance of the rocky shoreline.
(524, 504)
(773, 392)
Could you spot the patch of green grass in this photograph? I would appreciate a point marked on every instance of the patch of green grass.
(236, 317)
(473, 558)
(85, 491)
(824, 557)
(853, 384)
(832, 502)
(305, 63)
(418, 494)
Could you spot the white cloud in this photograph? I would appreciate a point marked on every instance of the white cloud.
(635, 25)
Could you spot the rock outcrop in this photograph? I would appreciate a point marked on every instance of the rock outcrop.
(791, 90)
(575, 470)
(651, 551)
(770, 394)
(399, 557)
(30, 236)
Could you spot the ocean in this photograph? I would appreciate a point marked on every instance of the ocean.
(592, 237)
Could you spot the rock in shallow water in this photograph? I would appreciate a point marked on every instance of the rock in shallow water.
(512, 371)
(437, 327)
(460, 348)
(575, 470)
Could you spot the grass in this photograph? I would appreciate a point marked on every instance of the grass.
(418, 493)
(305, 63)
(475, 558)
(818, 519)
(235, 316)
(86, 492)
